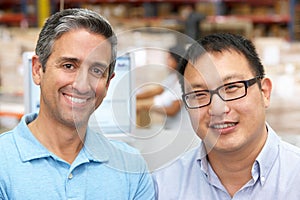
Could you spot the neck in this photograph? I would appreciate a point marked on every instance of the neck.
(234, 168)
(232, 173)
(65, 142)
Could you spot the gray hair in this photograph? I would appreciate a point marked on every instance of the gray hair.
(70, 19)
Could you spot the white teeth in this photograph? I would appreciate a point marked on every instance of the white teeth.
(76, 100)
(220, 126)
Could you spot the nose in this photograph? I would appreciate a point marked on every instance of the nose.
(82, 83)
(217, 106)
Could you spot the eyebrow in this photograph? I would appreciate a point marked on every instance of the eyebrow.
(70, 59)
(231, 77)
(224, 80)
(197, 85)
(100, 64)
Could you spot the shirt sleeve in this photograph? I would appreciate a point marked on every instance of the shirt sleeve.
(2, 197)
(139, 178)
(145, 188)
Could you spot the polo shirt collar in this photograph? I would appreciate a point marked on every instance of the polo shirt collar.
(28, 146)
(95, 147)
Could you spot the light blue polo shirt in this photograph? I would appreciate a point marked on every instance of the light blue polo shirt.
(102, 170)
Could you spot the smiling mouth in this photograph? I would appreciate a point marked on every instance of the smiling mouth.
(76, 100)
(222, 125)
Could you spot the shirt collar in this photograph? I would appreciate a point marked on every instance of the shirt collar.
(202, 158)
(28, 146)
(95, 147)
(264, 160)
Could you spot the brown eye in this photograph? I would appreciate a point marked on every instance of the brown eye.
(68, 66)
(97, 72)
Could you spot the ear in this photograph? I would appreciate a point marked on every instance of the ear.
(37, 70)
(266, 87)
(109, 79)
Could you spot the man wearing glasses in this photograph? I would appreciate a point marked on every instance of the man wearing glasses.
(239, 156)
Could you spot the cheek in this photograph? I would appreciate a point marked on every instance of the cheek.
(54, 80)
(197, 119)
(251, 108)
(100, 89)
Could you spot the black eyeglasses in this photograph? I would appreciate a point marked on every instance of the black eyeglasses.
(228, 92)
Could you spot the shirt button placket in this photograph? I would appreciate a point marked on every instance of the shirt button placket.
(69, 190)
(70, 176)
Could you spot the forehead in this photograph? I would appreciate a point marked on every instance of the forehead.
(83, 45)
(217, 68)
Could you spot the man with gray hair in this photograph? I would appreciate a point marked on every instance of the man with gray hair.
(53, 154)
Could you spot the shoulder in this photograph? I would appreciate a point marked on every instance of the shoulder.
(179, 177)
(123, 146)
(286, 149)
(118, 154)
(276, 149)
(128, 159)
(7, 143)
(112, 146)
(290, 150)
(132, 159)
(181, 165)
(6, 136)
(10, 135)
(11, 140)
(8, 149)
(9, 155)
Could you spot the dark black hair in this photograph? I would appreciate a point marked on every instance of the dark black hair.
(220, 42)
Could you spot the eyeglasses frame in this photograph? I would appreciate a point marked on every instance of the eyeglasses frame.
(248, 83)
